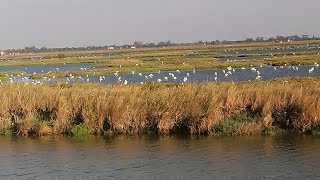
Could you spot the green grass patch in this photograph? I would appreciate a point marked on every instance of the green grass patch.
(7, 132)
(243, 123)
(79, 130)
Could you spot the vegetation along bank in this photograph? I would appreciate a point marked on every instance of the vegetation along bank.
(283, 105)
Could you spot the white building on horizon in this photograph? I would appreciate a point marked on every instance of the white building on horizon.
(1, 53)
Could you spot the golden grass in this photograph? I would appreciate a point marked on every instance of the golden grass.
(224, 108)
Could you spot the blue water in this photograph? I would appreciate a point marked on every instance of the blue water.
(270, 50)
(243, 58)
(266, 73)
(143, 157)
(198, 76)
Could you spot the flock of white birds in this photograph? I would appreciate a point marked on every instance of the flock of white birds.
(174, 76)
(139, 77)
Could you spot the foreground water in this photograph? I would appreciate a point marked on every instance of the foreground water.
(123, 157)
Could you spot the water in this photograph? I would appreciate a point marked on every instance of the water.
(240, 54)
(236, 75)
(132, 157)
(271, 50)
(200, 76)
(46, 68)
(243, 58)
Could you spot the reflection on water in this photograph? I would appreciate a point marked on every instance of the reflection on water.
(133, 157)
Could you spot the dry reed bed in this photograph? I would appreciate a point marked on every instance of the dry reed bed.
(223, 108)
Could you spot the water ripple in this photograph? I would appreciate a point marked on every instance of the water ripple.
(256, 157)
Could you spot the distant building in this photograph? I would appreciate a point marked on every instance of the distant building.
(110, 48)
(1, 53)
(133, 47)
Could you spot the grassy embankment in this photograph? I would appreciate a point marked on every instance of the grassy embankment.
(4, 76)
(286, 105)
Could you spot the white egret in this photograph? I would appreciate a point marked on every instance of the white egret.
(185, 79)
(311, 70)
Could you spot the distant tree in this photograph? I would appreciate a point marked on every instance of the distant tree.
(259, 39)
(149, 45)
(249, 40)
(200, 42)
(295, 37)
(161, 44)
(43, 49)
(281, 38)
(138, 44)
(31, 49)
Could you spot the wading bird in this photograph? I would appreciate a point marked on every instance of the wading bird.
(185, 79)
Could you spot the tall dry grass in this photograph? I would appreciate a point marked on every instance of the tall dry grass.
(224, 108)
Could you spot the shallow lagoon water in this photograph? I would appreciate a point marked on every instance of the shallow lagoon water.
(243, 58)
(271, 50)
(200, 76)
(134, 157)
(243, 54)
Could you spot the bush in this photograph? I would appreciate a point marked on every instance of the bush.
(7, 132)
(61, 55)
(79, 130)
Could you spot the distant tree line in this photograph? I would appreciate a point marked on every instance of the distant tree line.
(283, 38)
(139, 44)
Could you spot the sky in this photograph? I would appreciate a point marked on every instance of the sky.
(73, 23)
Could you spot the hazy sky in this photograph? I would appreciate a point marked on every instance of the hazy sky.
(61, 23)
